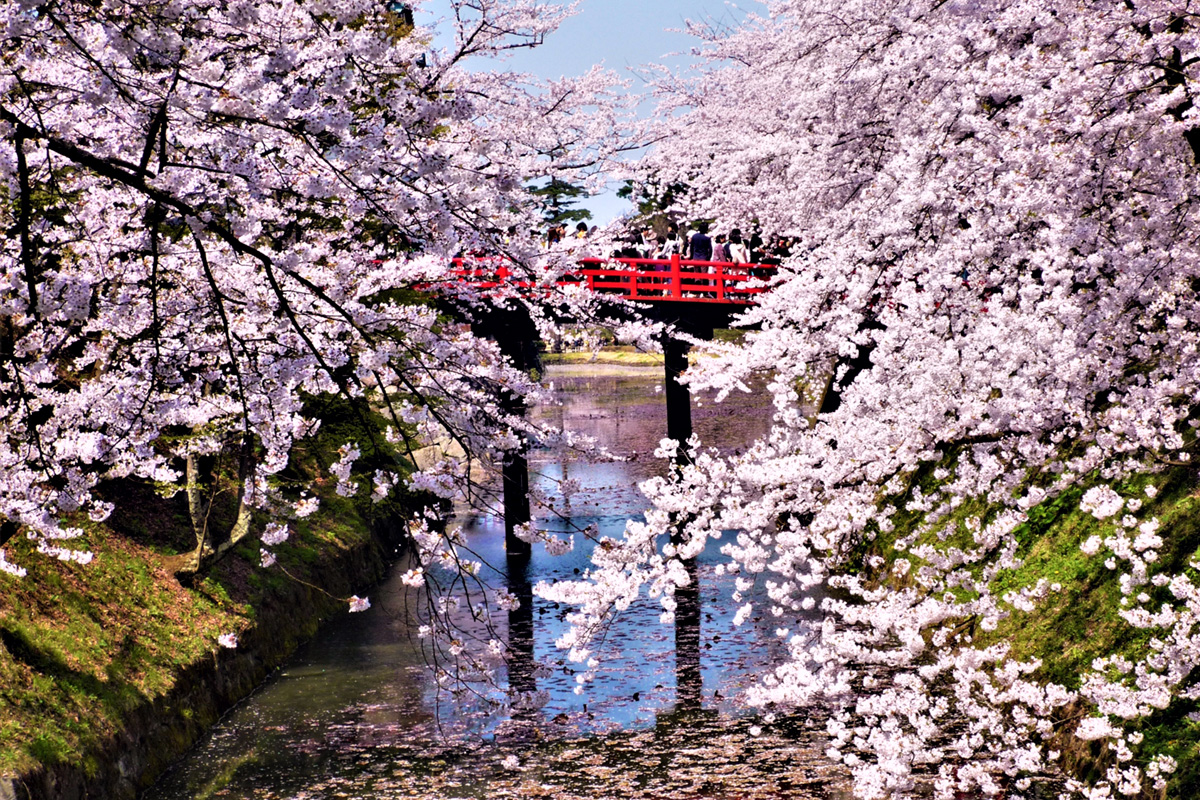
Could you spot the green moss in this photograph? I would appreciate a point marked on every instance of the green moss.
(1081, 622)
(82, 645)
(49, 748)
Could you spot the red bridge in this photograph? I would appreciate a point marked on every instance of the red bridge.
(692, 297)
(641, 279)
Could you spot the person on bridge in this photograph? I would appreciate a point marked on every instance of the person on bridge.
(662, 250)
(649, 242)
(756, 246)
(739, 253)
(632, 248)
(669, 245)
(700, 246)
(720, 248)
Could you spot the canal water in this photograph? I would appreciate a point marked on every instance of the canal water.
(357, 714)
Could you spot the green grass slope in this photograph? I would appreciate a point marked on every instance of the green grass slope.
(84, 646)
(1081, 621)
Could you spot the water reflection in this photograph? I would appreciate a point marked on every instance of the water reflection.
(689, 684)
(522, 665)
(356, 714)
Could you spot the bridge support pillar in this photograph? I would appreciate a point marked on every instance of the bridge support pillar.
(688, 684)
(517, 336)
(679, 399)
(518, 341)
(516, 502)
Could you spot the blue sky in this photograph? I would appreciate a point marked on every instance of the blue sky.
(621, 35)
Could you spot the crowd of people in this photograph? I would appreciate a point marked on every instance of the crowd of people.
(558, 233)
(699, 244)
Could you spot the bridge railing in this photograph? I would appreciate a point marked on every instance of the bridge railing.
(642, 279)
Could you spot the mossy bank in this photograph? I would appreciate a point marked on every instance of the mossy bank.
(1080, 620)
(111, 670)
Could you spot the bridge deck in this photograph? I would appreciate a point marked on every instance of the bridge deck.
(642, 279)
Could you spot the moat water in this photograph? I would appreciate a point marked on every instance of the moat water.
(356, 713)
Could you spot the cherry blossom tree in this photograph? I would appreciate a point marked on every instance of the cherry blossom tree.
(217, 210)
(997, 209)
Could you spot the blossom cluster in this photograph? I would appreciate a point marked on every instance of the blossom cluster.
(218, 210)
(993, 300)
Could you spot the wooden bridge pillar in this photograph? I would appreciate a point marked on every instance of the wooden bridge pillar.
(517, 336)
(518, 341)
(516, 501)
(679, 399)
(688, 684)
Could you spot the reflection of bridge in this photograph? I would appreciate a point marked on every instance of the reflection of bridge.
(642, 279)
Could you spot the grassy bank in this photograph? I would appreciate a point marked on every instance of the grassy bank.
(93, 654)
(1079, 621)
(622, 355)
(627, 355)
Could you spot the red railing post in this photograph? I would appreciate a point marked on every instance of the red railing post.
(720, 283)
(676, 277)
